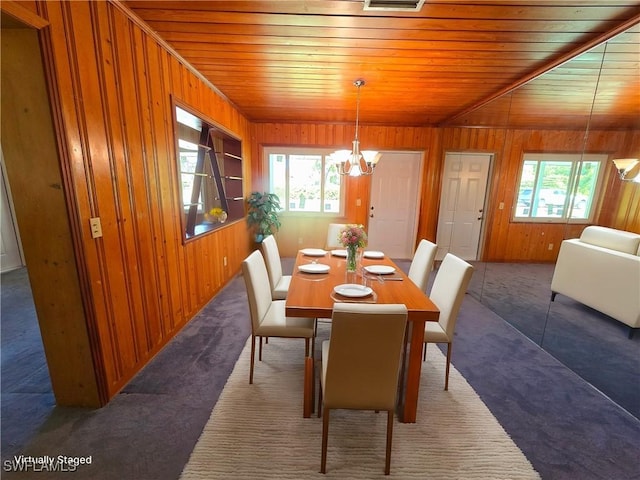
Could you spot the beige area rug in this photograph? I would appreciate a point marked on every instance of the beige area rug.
(258, 432)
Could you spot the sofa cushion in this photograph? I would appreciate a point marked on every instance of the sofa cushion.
(626, 242)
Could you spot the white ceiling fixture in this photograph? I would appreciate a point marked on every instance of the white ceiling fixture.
(355, 162)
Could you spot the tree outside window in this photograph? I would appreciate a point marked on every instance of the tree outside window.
(558, 187)
(306, 180)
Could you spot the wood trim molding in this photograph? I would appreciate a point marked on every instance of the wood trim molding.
(24, 15)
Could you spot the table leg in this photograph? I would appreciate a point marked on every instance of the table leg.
(309, 378)
(414, 367)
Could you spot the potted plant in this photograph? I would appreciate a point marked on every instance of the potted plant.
(262, 216)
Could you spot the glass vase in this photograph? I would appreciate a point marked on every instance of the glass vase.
(352, 258)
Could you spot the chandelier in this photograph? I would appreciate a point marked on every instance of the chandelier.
(628, 169)
(355, 162)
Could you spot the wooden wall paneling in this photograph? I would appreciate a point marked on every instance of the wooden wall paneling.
(620, 206)
(506, 238)
(167, 227)
(114, 276)
(158, 206)
(496, 220)
(431, 185)
(118, 63)
(122, 168)
(64, 87)
(333, 136)
(201, 250)
(238, 232)
(191, 295)
(125, 152)
(216, 265)
(40, 198)
(507, 241)
(156, 188)
(632, 222)
(178, 269)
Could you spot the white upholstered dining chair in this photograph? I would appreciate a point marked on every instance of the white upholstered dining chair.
(278, 282)
(422, 263)
(361, 364)
(447, 292)
(268, 317)
(332, 235)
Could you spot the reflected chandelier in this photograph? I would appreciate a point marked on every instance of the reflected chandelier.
(355, 162)
(628, 169)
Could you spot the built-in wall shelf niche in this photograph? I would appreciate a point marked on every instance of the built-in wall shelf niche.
(210, 172)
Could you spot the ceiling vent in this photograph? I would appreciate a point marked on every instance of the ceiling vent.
(394, 5)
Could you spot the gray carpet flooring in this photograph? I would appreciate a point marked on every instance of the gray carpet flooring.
(565, 426)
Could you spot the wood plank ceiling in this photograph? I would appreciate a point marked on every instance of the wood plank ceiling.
(480, 63)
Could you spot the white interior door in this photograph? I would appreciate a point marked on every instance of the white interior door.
(395, 186)
(10, 255)
(460, 218)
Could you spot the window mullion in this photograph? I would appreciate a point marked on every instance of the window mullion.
(287, 190)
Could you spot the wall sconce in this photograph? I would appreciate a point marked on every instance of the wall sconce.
(628, 169)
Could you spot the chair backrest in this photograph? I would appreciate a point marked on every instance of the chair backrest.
(448, 290)
(256, 280)
(332, 235)
(365, 349)
(422, 263)
(272, 260)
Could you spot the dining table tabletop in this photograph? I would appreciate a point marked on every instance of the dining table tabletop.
(320, 279)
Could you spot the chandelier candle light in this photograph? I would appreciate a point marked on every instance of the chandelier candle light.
(354, 162)
(352, 237)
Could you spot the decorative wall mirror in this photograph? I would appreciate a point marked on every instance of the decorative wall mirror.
(210, 173)
(590, 88)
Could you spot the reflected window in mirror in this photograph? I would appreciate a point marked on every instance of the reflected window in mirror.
(558, 187)
(210, 173)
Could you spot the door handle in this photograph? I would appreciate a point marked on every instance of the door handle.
(479, 218)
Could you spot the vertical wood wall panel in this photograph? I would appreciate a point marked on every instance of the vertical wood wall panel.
(29, 146)
(114, 81)
(505, 240)
(313, 232)
(115, 84)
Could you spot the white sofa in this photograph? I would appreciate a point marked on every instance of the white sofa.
(601, 269)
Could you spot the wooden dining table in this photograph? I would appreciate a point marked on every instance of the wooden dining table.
(313, 295)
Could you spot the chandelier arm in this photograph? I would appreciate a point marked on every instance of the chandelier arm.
(364, 163)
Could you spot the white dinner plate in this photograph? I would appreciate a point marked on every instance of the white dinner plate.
(313, 252)
(339, 253)
(373, 254)
(352, 290)
(314, 268)
(380, 269)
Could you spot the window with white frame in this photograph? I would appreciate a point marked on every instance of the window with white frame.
(306, 180)
(558, 187)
